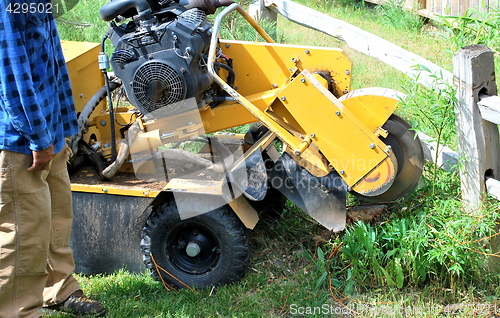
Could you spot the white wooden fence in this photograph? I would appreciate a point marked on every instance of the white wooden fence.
(478, 114)
(431, 8)
(477, 109)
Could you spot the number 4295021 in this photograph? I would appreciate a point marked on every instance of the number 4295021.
(41, 7)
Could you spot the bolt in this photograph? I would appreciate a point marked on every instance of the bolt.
(193, 249)
(372, 146)
(297, 152)
(283, 98)
(346, 91)
(337, 113)
(294, 60)
(275, 85)
(303, 80)
(105, 190)
(347, 72)
(228, 45)
(81, 95)
(342, 171)
(313, 135)
(388, 149)
(307, 51)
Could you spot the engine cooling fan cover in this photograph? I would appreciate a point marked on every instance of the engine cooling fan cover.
(158, 85)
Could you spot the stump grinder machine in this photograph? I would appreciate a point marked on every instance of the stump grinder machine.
(169, 189)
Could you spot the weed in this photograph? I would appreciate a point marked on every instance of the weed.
(474, 27)
(430, 239)
(235, 27)
(394, 14)
(433, 108)
(352, 3)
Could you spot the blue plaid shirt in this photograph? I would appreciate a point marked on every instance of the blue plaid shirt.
(36, 103)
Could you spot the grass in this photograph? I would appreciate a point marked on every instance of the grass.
(425, 257)
(282, 282)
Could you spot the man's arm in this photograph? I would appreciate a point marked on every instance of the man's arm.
(17, 89)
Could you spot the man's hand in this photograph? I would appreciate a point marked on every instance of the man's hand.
(41, 159)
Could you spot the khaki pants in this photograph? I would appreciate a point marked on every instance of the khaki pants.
(35, 225)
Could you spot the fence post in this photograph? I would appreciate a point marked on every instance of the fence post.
(478, 140)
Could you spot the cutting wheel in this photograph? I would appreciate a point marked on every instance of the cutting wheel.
(410, 158)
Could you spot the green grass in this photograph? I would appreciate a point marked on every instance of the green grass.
(283, 280)
(425, 257)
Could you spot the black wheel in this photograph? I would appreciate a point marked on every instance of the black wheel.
(408, 151)
(210, 249)
(272, 206)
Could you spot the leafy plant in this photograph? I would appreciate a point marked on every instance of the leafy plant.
(433, 108)
(474, 27)
(434, 239)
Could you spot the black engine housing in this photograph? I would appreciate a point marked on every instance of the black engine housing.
(162, 61)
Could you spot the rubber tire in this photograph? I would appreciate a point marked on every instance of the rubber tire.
(408, 150)
(272, 206)
(221, 226)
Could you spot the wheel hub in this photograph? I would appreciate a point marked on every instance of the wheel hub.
(193, 249)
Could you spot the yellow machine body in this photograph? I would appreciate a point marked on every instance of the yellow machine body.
(286, 88)
(171, 165)
(321, 131)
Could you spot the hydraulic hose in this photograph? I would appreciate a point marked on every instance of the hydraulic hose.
(83, 118)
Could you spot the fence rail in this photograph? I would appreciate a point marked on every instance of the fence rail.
(477, 110)
(431, 8)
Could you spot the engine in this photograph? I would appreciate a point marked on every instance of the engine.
(160, 53)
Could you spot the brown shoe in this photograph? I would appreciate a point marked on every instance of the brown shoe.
(78, 304)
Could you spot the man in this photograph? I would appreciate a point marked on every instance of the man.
(36, 114)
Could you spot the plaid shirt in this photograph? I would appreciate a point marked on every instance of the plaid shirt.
(36, 103)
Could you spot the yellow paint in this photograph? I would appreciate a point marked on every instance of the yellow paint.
(245, 212)
(349, 146)
(260, 67)
(85, 76)
(115, 190)
(372, 110)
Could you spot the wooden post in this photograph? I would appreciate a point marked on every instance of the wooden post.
(478, 139)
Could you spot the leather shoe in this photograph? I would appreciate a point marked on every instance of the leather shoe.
(78, 304)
